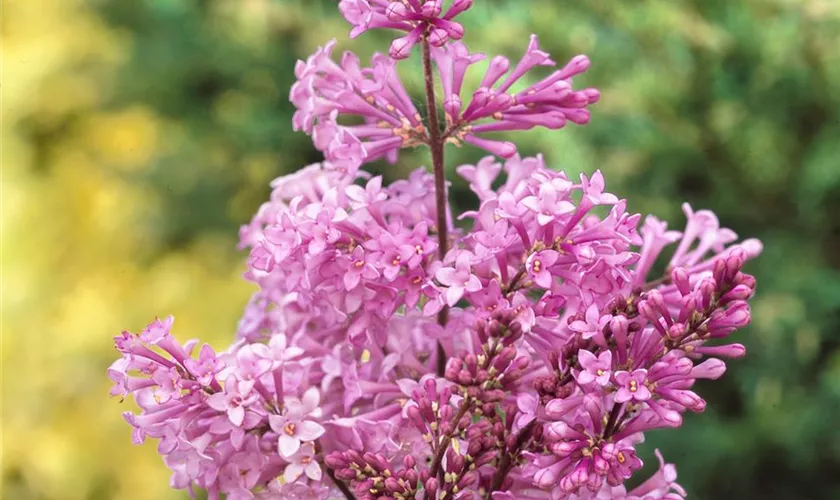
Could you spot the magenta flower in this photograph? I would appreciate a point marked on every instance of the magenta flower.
(232, 401)
(538, 265)
(631, 386)
(293, 425)
(593, 323)
(414, 16)
(593, 190)
(549, 205)
(595, 369)
(280, 350)
(206, 367)
(358, 268)
(458, 279)
(663, 482)
(157, 331)
(302, 462)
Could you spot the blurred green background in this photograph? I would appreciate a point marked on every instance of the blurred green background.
(138, 134)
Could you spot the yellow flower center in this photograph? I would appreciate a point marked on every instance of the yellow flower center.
(289, 429)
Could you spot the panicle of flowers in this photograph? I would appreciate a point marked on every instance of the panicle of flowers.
(496, 107)
(230, 422)
(342, 258)
(386, 356)
(327, 91)
(420, 18)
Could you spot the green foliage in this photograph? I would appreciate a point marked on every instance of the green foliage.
(729, 105)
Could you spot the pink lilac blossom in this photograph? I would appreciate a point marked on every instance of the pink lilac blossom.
(327, 370)
(420, 18)
(327, 92)
(495, 107)
(522, 358)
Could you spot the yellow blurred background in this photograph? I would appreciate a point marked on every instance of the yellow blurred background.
(74, 266)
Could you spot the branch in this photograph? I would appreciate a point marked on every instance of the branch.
(436, 145)
(507, 462)
(443, 444)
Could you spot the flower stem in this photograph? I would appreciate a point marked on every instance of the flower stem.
(507, 462)
(443, 444)
(612, 421)
(436, 145)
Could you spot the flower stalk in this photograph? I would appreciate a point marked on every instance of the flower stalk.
(562, 351)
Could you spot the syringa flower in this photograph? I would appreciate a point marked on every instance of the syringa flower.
(595, 369)
(294, 425)
(303, 461)
(631, 386)
(494, 107)
(518, 350)
(420, 18)
(326, 91)
(458, 279)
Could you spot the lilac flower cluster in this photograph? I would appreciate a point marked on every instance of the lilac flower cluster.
(327, 91)
(420, 18)
(385, 356)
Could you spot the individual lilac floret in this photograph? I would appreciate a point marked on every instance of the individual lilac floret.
(233, 401)
(595, 369)
(631, 386)
(458, 279)
(420, 18)
(294, 425)
(302, 462)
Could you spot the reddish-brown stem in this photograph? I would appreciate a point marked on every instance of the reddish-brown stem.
(612, 421)
(507, 462)
(443, 444)
(436, 145)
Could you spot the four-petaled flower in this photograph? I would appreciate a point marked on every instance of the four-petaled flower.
(205, 368)
(596, 370)
(458, 279)
(232, 401)
(293, 426)
(593, 323)
(631, 386)
(358, 268)
(549, 205)
(302, 462)
(538, 264)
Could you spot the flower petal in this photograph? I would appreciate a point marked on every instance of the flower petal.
(292, 472)
(309, 430)
(287, 445)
